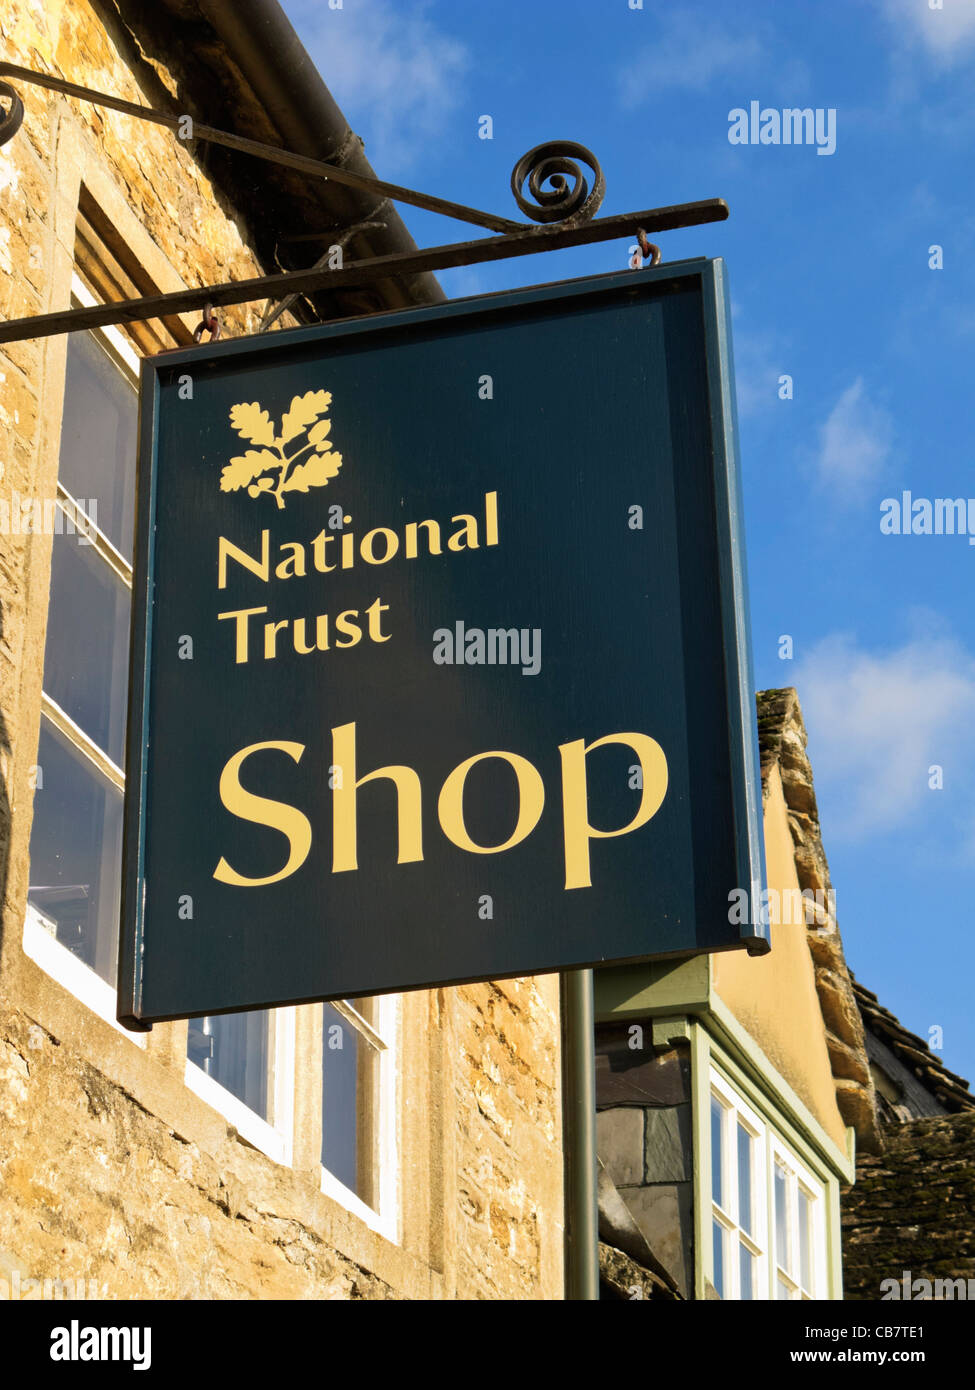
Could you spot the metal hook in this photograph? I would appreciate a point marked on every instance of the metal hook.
(648, 251)
(209, 324)
(11, 121)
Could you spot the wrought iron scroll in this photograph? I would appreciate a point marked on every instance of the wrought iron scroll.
(560, 197)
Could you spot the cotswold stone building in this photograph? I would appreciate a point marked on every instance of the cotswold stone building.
(403, 1147)
(786, 1137)
(408, 1147)
(908, 1228)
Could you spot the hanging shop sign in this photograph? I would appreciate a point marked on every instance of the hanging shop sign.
(440, 662)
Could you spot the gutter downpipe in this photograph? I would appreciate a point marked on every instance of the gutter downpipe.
(579, 1136)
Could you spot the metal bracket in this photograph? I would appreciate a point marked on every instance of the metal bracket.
(566, 208)
(10, 124)
(524, 242)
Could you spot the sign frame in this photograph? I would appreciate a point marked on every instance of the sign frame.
(709, 277)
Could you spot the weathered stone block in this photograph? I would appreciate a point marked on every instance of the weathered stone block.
(663, 1214)
(619, 1142)
(634, 1076)
(667, 1145)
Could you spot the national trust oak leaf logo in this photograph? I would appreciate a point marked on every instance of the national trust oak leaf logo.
(275, 466)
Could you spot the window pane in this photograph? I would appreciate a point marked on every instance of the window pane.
(746, 1265)
(805, 1245)
(348, 1064)
(98, 439)
(233, 1049)
(76, 855)
(87, 653)
(718, 1237)
(781, 1219)
(745, 1179)
(782, 1289)
(717, 1164)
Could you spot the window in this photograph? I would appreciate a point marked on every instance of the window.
(738, 1216)
(243, 1064)
(768, 1229)
(798, 1215)
(358, 1149)
(76, 837)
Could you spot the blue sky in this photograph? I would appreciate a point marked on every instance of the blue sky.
(828, 258)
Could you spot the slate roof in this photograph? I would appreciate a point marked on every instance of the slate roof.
(911, 1214)
(950, 1090)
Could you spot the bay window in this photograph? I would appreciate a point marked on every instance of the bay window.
(768, 1212)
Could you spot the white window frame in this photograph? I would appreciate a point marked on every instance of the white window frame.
(78, 978)
(798, 1176)
(39, 942)
(770, 1148)
(384, 1039)
(274, 1136)
(735, 1111)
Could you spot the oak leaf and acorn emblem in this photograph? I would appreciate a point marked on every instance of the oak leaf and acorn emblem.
(278, 462)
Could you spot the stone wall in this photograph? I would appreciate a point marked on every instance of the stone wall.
(128, 1180)
(782, 741)
(508, 1139)
(111, 1169)
(912, 1210)
(644, 1142)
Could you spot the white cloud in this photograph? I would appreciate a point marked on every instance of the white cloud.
(854, 443)
(758, 366)
(689, 51)
(878, 720)
(397, 76)
(948, 33)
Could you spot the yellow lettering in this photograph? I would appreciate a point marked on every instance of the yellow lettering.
(390, 545)
(352, 630)
(293, 565)
(575, 798)
(271, 631)
(318, 552)
(226, 550)
(262, 811)
(241, 614)
(490, 518)
(468, 529)
(375, 612)
(433, 538)
(344, 801)
(531, 799)
(321, 635)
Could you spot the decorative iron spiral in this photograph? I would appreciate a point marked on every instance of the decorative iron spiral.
(10, 120)
(560, 201)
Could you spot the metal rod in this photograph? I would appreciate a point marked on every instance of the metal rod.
(579, 1136)
(525, 242)
(317, 168)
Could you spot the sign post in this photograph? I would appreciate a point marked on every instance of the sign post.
(579, 1136)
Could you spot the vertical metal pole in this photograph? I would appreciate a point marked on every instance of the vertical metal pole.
(579, 1136)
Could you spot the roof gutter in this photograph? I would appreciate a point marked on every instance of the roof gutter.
(259, 37)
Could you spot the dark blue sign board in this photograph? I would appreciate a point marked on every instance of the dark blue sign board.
(440, 656)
